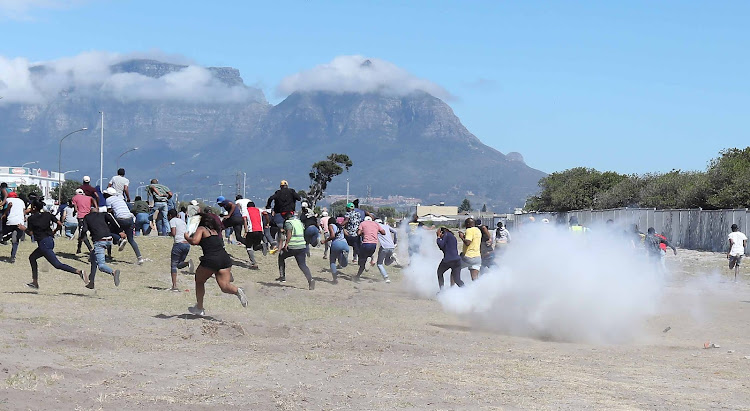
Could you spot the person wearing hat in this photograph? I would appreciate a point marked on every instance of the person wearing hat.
(284, 201)
(368, 230)
(193, 208)
(120, 184)
(14, 216)
(387, 250)
(233, 220)
(352, 220)
(117, 206)
(323, 224)
(160, 195)
(83, 205)
(89, 190)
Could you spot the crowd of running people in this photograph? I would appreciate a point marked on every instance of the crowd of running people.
(105, 218)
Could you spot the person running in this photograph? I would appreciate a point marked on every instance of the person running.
(737, 244)
(415, 228)
(269, 238)
(447, 243)
(323, 226)
(653, 243)
(83, 204)
(386, 253)
(254, 236)
(180, 248)
(502, 238)
(471, 257)
(215, 261)
(234, 218)
(242, 204)
(339, 254)
(485, 247)
(120, 184)
(193, 208)
(89, 190)
(182, 215)
(140, 209)
(368, 230)
(284, 201)
(310, 222)
(14, 217)
(102, 228)
(119, 209)
(160, 194)
(352, 219)
(70, 222)
(575, 227)
(40, 226)
(293, 245)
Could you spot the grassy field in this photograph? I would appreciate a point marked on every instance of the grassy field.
(365, 346)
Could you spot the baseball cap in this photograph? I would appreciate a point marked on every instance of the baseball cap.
(304, 204)
(379, 221)
(193, 202)
(79, 191)
(368, 218)
(325, 214)
(349, 205)
(86, 179)
(220, 199)
(284, 183)
(111, 191)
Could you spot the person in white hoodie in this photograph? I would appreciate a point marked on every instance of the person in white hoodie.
(386, 253)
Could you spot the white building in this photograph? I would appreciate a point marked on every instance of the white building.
(16, 176)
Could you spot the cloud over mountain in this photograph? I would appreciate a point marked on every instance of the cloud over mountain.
(358, 74)
(91, 73)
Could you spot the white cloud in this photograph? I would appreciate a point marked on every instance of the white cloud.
(90, 73)
(358, 74)
(22, 9)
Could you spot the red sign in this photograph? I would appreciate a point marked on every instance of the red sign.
(18, 171)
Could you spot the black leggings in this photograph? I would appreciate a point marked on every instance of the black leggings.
(299, 254)
(455, 267)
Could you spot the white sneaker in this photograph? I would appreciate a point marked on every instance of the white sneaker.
(191, 266)
(196, 311)
(241, 295)
(387, 280)
(141, 260)
(84, 277)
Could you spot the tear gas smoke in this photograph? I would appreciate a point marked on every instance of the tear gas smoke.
(551, 284)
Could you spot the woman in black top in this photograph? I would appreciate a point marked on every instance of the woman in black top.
(215, 260)
(39, 225)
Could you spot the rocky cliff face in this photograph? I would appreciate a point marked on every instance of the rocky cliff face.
(411, 145)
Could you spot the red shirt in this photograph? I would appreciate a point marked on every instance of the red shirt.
(255, 220)
(83, 204)
(370, 231)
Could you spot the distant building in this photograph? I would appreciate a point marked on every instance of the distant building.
(438, 210)
(16, 176)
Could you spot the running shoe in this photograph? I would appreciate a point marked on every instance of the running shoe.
(281, 279)
(32, 285)
(174, 290)
(191, 266)
(387, 280)
(122, 245)
(241, 295)
(90, 285)
(265, 248)
(141, 260)
(197, 311)
(13, 260)
(116, 275)
(335, 281)
(254, 267)
(312, 284)
(84, 277)
(273, 251)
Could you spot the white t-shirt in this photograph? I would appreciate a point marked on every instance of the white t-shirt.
(180, 229)
(738, 247)
(70, 218)
(242, 204)
(15, 215)
(119, 183)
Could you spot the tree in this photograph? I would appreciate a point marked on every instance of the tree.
(573, 189)
(68, 190)
(465, 206)
(323, 172)
(729, 179)
(24, 190)
(337, 208)
(484, 208)
(387, 212)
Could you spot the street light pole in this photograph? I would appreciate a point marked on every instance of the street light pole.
(126, 152)
(244, 186)
(221, 187)
(59, 165)
(101, 152)
(27, 163)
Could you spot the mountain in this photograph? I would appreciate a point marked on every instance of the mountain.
(411, 145)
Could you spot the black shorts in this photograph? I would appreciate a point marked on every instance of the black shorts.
(253, 239)
(216, 262)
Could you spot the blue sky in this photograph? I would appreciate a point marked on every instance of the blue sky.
(632, 86)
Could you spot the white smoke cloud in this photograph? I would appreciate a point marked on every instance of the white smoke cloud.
(358, 74)
(89, 73)
(551, 285)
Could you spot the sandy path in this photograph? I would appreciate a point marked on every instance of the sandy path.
(348, 346)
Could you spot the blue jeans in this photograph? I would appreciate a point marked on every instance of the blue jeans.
(70, 229)
(98, 260)
(127, 225)
(340, 254)
(142, 224)
(45, 248)
(162, 224)
(385, 257)
(312, 235)
(179, 254)
(171, 205)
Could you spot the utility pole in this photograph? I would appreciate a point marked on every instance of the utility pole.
(347, 191)
(244, 185)
(101, 153)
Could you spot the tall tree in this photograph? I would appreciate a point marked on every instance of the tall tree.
(484, 208)
(323, 172)
(465, 206)
(68, 190)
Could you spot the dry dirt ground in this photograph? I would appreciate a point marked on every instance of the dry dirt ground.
(362, 346)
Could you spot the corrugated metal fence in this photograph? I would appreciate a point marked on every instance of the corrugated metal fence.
(693, 229)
